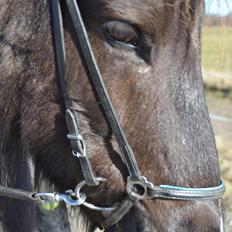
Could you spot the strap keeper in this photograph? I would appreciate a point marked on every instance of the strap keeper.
(75, 137)
(78, 154)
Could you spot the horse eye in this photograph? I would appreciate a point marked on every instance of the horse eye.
(121, 33)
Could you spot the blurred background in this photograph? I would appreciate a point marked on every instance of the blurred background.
(217, 74)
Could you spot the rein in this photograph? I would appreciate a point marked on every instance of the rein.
(137, 186)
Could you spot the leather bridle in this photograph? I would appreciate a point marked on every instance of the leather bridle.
(137, 186)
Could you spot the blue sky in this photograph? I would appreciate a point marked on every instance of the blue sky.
(220, 7)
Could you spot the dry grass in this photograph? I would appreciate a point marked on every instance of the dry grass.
(217, 49)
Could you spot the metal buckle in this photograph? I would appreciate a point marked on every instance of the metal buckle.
(89, 205)
(138, 187)
(81, 145)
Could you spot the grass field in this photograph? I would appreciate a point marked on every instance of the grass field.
(217, 57)
(217, 49)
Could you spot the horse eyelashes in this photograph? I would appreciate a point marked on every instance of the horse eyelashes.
(121, 33)
(126, 35)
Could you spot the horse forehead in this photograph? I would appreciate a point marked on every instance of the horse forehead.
(141, 11)
(122, 6)
(141, 4)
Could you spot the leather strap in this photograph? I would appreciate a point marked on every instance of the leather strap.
(79, 149)
(185, 193)
(120, 212)
(94, 75)
(16, 193)
(166, 192)
(71, 115)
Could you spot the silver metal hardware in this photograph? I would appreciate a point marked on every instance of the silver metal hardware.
(100, 229)
(89, 205)
(81, 145)
(75, 137)
(138, 187)
(68, 197)
(77, 154)
(45, 197)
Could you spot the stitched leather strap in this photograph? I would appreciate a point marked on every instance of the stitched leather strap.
(120, 212)
(16, 193)
(78, 147)
(71, 115)
(95, 77)
(184, 193)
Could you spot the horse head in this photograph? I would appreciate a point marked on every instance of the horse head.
(148, 53)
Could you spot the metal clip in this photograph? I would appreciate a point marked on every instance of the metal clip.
(45, 197)
(69, 200)
(67, 197)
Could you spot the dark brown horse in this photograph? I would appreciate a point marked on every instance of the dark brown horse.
(149, 55)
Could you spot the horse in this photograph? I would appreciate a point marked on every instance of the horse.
(148, 53)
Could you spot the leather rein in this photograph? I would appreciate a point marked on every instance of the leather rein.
(135, 181)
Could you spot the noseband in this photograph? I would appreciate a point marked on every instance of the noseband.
(137, 186)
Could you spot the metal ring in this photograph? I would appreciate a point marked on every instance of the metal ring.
(137, 190)
(68, 199)
(89, 205)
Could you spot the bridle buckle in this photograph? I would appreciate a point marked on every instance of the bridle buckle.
(138, 187)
